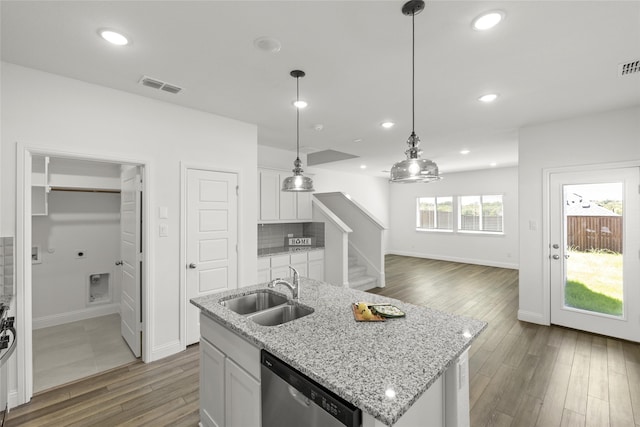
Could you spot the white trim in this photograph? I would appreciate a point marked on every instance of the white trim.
(512, 266)
(74, 316)
(531, 317)
(167, 349)
(546, 223)
(184, 167)
(24, 349)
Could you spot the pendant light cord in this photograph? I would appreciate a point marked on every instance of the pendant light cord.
(413, 72)
(297, 118)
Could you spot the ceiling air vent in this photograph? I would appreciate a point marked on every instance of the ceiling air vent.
(159, 84)
(630, 67)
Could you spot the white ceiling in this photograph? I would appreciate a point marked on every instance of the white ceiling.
(548, 60)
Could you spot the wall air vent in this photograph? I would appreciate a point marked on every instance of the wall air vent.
(631, 67)
(159, 84)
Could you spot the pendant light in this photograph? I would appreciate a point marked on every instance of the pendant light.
(414, 168)
(297, 182)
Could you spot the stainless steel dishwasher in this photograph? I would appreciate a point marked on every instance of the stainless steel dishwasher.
(291, 399)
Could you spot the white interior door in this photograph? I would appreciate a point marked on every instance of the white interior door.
(212, 238)
(131, 258)
(595, 251)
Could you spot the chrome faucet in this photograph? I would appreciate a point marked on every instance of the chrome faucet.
(295, 287)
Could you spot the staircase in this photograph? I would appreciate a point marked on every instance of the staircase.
(358, 278)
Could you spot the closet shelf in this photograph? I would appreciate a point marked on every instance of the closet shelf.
(86, 189)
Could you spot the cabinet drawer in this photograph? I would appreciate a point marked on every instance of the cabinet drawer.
(237, 348)
(316, 255)
(300, 258)
(264, 263)
(280, 261)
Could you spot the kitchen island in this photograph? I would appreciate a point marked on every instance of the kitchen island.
(383, 368)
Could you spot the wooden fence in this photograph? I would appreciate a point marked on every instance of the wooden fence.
(594, 233)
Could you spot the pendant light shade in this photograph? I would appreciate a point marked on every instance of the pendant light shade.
(414, 168)
(298, 182)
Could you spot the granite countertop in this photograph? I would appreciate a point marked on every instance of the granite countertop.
(6, 300)
(358, 361)
(281, 250)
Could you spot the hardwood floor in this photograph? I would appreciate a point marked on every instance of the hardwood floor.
(521, 374)
(524, 374)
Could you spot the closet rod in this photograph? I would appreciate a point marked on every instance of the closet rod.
(85, 190)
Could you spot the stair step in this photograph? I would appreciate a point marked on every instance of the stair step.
(353, 260)
(356, 271)
(363, 283)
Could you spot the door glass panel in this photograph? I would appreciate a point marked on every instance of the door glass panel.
(593, 255)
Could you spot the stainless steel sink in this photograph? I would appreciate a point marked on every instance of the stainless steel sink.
(254, 302)
(281, 314)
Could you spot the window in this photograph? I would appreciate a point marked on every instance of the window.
(435, 213)
(480, 213)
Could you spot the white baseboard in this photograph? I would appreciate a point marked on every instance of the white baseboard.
(532, 317)
(489, 263)
(12, 399)
(74, 316)
(165, 350)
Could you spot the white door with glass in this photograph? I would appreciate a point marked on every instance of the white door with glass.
(131, 258)
(594, 251)
(212, 238)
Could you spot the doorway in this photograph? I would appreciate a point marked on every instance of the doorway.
(100, 290)
(594, 251)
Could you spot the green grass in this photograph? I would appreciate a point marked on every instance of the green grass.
(594, 282)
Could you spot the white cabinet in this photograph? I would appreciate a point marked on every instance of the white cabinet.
(242, 391)
(229, 378)
(309, 264)
(211, 385)
(315, 268)
(280, 206)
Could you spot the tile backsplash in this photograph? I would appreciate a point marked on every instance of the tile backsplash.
(273, 235)
(6, 266)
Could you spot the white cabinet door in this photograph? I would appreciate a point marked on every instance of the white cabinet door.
(242, 406)
(269, 195)
(304, 206)
(212, 377)
(316, 270)
(288, 201)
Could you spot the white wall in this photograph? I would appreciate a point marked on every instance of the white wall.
(597, 139)
(46, 111)
(370, 192)
(77, 221)
(493, 250)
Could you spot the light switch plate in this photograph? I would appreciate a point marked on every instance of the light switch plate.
(164, 230)
(163, 212)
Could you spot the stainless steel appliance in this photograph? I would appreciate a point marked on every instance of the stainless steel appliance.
(7, 345)
(291, 399)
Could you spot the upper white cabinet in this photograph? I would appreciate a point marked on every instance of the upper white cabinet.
(280, 206)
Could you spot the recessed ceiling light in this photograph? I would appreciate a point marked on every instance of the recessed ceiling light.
(318, 127)
(493, 164)
(268, 44)
(357, 140)
(363, 166)
(490, 97)
(300, 104)
(464, 151)
(113, 37)
(387, 125)
(487, 20)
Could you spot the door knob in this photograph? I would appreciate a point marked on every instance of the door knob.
(118, 262)
(556, 257)
(192, 265)
(555, 246)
